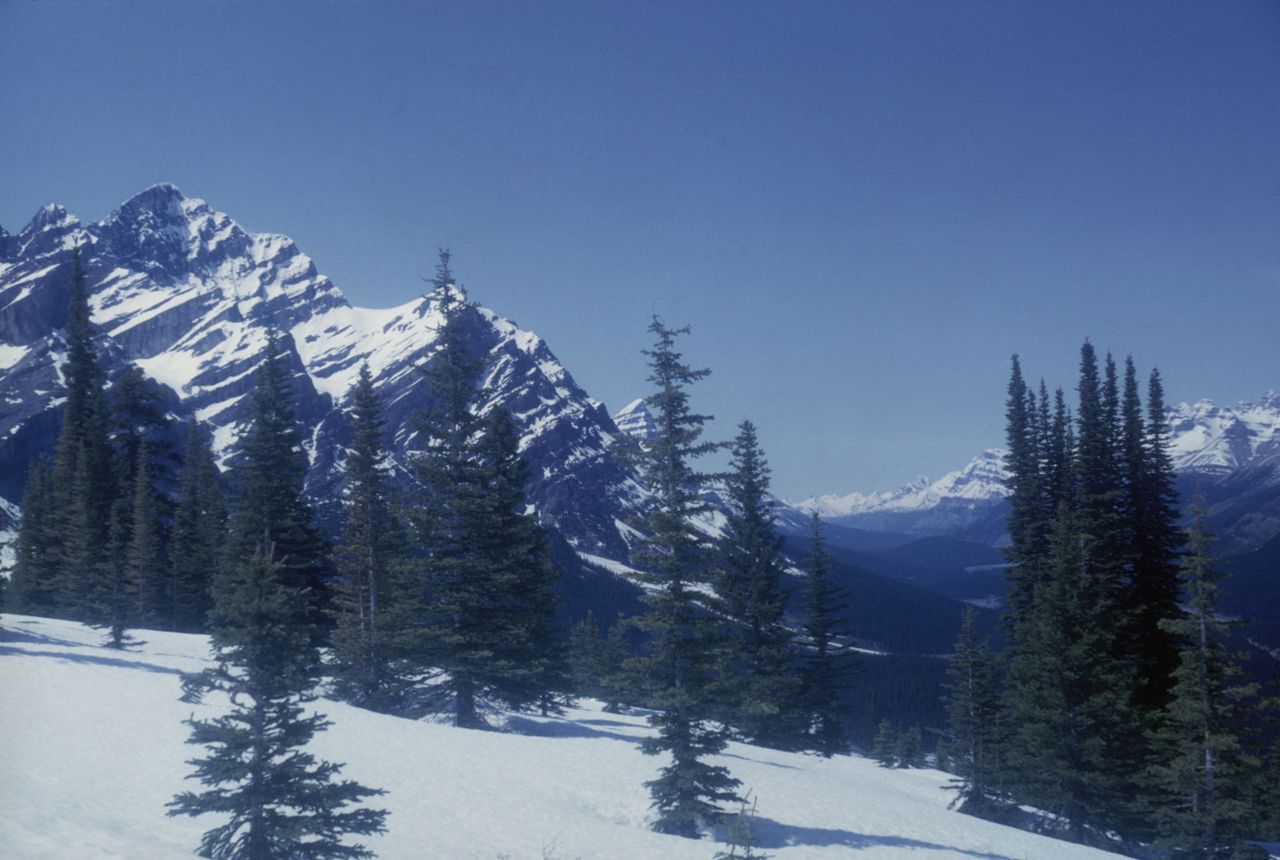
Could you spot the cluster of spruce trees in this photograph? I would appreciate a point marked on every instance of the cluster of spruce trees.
(118, 530)
(1118, 708)
(717, 656)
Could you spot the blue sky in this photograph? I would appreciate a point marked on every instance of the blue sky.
(861, 208)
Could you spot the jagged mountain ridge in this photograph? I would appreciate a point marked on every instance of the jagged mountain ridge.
(184, 293)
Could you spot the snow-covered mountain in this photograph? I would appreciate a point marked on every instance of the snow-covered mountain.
(1230, 454)
(1211, 439)
(636, 420)
(982, 479)
(187, 295)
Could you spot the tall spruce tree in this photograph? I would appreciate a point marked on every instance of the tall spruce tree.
(679, 668)
(268, 477)
(278, 799)
(198, 535)
(972, 700)
(759, 665)
(33, 587)
(448, 590)
(366, 657)
(1157, 541)
(1202, 772)
(84, 483)
(484, 594)
(827, 665)
(1026, 552)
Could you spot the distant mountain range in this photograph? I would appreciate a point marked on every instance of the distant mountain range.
(1230, 455)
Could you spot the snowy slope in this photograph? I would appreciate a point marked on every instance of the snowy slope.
(94, 747)
(183, 292)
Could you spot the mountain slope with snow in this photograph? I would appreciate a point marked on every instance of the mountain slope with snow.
(95, 746)
(184, 293)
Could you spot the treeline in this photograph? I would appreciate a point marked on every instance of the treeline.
(439, 599)
(1117, 709)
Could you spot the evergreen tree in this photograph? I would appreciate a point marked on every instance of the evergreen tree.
(33, 587)
(973, 706)
(198, 535)
(758, 658)
(1026, 505)
(1068, 694)
(147, 571)
(884, 749)
(366, 659)
(280, 801)
(486, 608)
(528, 655)
(827, 665)
(679, 668)
(268, 477)
(1202, 775)
(910, 748)
(1157, 542)
(84, 484)
(449, 591)
(597, 662)
(87, 587)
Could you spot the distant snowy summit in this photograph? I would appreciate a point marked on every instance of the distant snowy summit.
(1231, 454)
(981, 480)
(184, 293)
(1213, 439)
(636, 420)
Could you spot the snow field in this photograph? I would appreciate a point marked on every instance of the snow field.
(92, 746)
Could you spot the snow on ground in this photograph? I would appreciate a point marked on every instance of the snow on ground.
(93, 746)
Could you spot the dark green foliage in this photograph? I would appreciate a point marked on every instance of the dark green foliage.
(87, 589)
(481, 595)
(84, 485)
(1154, 586)
(510, 548)
(1068, 694)
(147, 570)
(1201, 776)
(973, 717)
(1093, 592)
(597, 662)
(827, 663)
(884, 749)
(679, 670)
(198, 536)
(279, 800)
(268, 478)
(1026, 508)
(909, 751)
(33, 587)
(367, 663)
(138, 416)
(757, 671)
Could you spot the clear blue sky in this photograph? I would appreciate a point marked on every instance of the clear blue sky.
(862, 208)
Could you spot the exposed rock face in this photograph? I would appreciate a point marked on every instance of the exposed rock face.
(187, 295)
